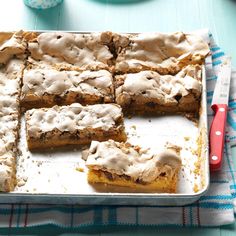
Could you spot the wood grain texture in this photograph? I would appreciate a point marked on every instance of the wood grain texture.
(133, 16)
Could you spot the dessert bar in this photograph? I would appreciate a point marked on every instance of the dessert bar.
(149, 92)
(164, 53)
(11, 45)
(71, 51)
(7, 171)
(73, 124)
(10, 75)
(124, 165)
(48, 87)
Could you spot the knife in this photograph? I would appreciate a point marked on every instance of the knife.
(219, 106)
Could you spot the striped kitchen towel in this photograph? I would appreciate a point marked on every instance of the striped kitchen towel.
(216, 208)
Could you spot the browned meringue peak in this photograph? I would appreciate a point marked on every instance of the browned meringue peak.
(164, 53)
(11, 44)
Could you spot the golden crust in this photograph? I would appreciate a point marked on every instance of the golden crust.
(161, 184)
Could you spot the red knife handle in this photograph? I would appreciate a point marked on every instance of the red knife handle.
(217, 136)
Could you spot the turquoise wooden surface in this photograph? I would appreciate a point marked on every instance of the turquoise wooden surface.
(131, 16)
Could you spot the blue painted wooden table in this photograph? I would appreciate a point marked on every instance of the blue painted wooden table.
(131, 16)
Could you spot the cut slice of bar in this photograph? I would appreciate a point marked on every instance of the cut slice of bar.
(74, 124)
(124, 165)
(9, 125)
(10, 79)
(164, 53)
(149, 92)
(10, 76)
(9, 129)
(11, 44)
(9, 87)
(7, 172)
(48, 87)
(72, 51)
(12, 70)
(9, 105)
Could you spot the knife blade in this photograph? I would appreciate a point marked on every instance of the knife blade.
(219, 106)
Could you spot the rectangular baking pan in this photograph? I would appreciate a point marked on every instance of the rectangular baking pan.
(59, 176)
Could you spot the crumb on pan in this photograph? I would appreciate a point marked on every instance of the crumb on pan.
(197, 168)
(194, 151)
(80, 169)
(84, 154)
(195, 188)
(192, 117)
(186, 138)
(39, 163)
(21, 182)
(172, 146)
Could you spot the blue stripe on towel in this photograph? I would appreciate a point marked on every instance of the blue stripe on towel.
(97, 215)
(112, 215)
(216, 63)
(231, 121)
(229, 164)
(212, 78)
(217, 197)
(233, 186)
(215, 205)
(191, 215)
(18, 216)
(210, 93)
(217, 55)
(213, 49)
